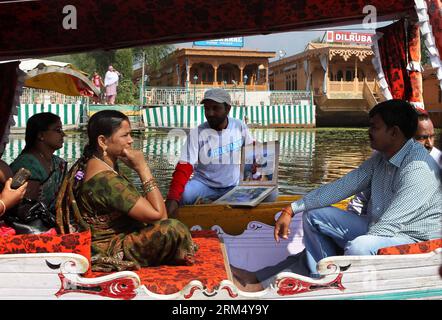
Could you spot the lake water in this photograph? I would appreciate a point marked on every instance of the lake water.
(308, 157)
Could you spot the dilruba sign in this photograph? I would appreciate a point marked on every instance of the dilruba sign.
(349, 37)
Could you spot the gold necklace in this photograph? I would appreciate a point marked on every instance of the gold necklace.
(106, 164)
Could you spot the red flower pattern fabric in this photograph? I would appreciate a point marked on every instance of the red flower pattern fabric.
(392, 50)
(414, 248)
(209, 268)
(415, 93)
(43, 243)
(35, 28)
(398, 48)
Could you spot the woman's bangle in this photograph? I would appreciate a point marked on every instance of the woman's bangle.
(149, 185)
(4, 207)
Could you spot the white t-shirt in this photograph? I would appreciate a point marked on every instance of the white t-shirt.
(437, 156)
(216, 155)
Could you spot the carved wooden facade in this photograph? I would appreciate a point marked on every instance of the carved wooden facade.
(346, 67)
(189, 67)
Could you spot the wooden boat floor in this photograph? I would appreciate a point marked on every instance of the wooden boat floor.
(234, 220)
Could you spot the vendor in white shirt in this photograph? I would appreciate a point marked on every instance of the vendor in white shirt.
(212, 153)
(111, 82)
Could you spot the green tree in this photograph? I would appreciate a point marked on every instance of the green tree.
(153, 58)
(121, 60)
(123, 63)
(318, 40)
(154, 55)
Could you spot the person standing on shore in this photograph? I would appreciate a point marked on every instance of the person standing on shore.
(111, 82)
(99, 84)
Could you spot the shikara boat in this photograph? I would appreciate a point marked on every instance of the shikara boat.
(66, 275)
(58, 267)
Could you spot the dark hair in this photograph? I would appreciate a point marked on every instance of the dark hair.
(38, 123)
(397, 113)
(422, 114)
(104, 123)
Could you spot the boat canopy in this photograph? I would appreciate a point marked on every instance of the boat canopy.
(42, 28)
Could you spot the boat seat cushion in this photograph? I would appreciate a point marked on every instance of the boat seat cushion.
(414, 248)
(209, 268)
(44, 243)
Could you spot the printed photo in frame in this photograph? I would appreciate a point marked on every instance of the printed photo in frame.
(246, 195)
(259, 175)
(259, 163)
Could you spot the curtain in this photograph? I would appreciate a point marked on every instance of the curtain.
(307, 74)
(383, 84)
(11, 83)
(323, 59)
(415, 93)
(392, 52)
(41, 28)
(398, 61)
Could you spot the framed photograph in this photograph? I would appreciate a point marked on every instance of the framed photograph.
(259, 175)
(259, 163)
(245, 195)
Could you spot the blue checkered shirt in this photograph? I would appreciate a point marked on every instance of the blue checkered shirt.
(406, 193)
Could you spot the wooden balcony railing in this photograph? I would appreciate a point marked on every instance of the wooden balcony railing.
(354, 86)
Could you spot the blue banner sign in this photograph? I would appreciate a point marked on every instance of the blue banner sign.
(226, 42)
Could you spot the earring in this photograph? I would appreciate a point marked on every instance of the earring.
(104, 153)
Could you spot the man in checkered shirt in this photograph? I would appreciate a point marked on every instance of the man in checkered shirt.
(405, 205)
(425, 135)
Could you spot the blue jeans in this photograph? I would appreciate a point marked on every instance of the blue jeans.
(330, 230)
(195, 190)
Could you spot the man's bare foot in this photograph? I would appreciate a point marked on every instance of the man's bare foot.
(245, 280)
(248, 287)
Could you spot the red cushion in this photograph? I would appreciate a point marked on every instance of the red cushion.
(413, 248)
(209, 268)
(43, 243)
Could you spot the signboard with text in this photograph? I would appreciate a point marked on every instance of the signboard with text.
(225, 42)
(350, 37)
